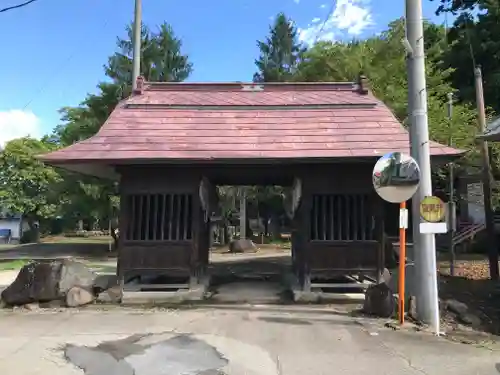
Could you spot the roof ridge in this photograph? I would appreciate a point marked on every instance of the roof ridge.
(240, 86)
(250, 107)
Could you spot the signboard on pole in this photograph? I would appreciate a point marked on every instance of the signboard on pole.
(433, 214)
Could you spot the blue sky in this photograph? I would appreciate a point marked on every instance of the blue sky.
(54, 50)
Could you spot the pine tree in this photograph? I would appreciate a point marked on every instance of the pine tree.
(280, 53)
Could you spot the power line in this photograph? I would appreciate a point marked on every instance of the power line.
(17, 6)
(59, 69)
(327, 17)
(468, 35)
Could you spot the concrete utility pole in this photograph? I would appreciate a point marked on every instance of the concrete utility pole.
(451, 204)
(488, 211)
(136, 63)
(425, 253)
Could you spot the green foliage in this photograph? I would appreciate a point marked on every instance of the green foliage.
(383, 60)
(280, 53)
(161, 59)
(88, 198)
(475, 39)
(27, 186)
(455, 5)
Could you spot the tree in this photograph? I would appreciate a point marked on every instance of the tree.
(161, 57)
(91, 199)
(474, 41)
(27, 186)
(280, 53)
(455, 6)
(382, 58)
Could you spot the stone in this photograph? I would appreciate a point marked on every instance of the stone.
(75, 274)
(242, 246)
(469, 319)
(386, 276)
(79, 296)
(43, 282)
(115, 294)
(32, 306)
(379, 301)
(35, 282)
(104, 282)
(456, 307)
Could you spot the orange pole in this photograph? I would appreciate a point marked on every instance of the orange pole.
(402, 264)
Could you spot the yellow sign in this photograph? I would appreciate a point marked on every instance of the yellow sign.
(432, 209)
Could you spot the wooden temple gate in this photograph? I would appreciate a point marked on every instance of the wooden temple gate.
(165, 221)
(168, 138)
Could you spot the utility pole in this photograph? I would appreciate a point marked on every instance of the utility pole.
(136, 63)
(451, 203)
(425, 254)
(486, 174)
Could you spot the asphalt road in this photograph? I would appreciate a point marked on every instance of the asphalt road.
(242, 340)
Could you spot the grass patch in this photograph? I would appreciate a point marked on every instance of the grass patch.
(12, 265)
(78, 240)
(101, 268)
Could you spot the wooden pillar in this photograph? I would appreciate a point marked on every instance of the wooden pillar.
(123, 223)
(379, 217)
(302, 220)
(197, 242)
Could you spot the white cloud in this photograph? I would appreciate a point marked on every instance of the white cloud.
(348, 16)
(17, 123)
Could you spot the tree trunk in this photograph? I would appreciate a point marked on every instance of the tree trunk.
(115, 235)
(34, 230)
(243, 214)
(275, 228)
(225, 234)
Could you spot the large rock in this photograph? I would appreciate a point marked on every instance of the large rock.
(242, 246)
(79, 296)
(75, 274)
(47, 281)
(379, 301)
(36, 282)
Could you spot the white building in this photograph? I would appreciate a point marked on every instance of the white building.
(14, 223)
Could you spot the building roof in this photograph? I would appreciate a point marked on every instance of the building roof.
(174, 122)
(492, 132)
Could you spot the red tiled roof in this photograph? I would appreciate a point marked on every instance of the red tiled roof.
(223, 121)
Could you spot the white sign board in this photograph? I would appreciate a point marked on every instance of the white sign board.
(433, 228)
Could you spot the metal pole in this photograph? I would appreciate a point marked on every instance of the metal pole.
(451, 205)
(488, 211)
(136, 62)
(425, 254)
(402, 260)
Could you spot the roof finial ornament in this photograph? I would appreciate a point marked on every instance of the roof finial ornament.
(139, 85)
(363, 84)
